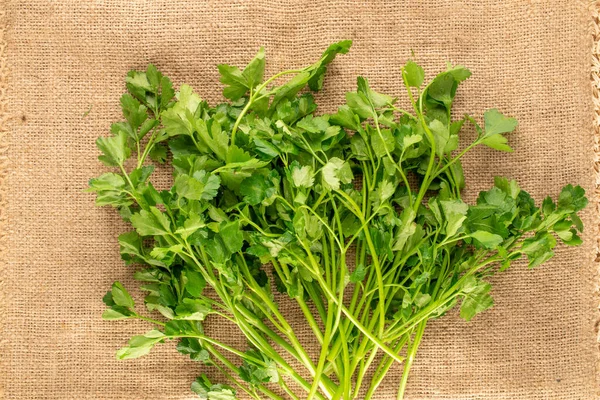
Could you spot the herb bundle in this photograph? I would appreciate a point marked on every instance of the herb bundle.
(356, 216)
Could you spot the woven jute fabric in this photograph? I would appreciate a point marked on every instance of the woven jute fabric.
(62, 68)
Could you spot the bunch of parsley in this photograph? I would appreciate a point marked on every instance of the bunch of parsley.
(355, 216)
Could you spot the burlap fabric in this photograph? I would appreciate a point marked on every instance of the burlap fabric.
(61, 59)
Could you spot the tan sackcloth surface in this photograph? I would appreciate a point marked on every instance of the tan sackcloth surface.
(61, 59)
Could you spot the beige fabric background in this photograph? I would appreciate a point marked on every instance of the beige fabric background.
(529, 58)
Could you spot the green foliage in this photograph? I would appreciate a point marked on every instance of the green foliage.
(258, 372)
(140, 345)
(358, 216)
(208, 391)
(115, 149)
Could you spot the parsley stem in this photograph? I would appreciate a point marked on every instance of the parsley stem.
(149, 320)
(449, 295)
(332, 325)
(375, 259)
(426, 177)
(128, 180)
(230, 349)
(137, 145)
(409, 115)
(315, 294)
(258, 228)
(287, 390)
(382, 369)
(262, 344)
(279, 268)
(325, 225)
(258, 341)
(349, 315)
(239, 119)
(148, 147)
(285, 328)
(235, 381)
(302, 357)
(324, 349)
(410, 357)
(364, 367)
(360, 256)
(236, 370)
(454, 160)
(346, 379)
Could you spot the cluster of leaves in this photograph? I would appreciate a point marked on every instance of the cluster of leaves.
(357, 215)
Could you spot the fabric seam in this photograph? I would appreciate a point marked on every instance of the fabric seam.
(4, 171)
(595, 81)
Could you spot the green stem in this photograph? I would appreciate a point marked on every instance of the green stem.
(381, 371)
(349, 315)
(236, 370)
(239, 119)
(286, 389)
(410, 357)
(279, 268)
(346, 378)
(364, 367)
(236, 382)
(375, 259)
(286, 329)
(323, 354)
(230, 349)
(409, 115)
(137, 316)
(133, 190)
(455, 159)
(448, 295)
(243, 317)
(148, 146)
(260, 343)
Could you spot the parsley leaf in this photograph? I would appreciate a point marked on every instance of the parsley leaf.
(149, 223)
(209, 391)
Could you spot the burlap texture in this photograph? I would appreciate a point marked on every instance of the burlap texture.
(529, 58)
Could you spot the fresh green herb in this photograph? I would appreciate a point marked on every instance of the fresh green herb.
(356, 216)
